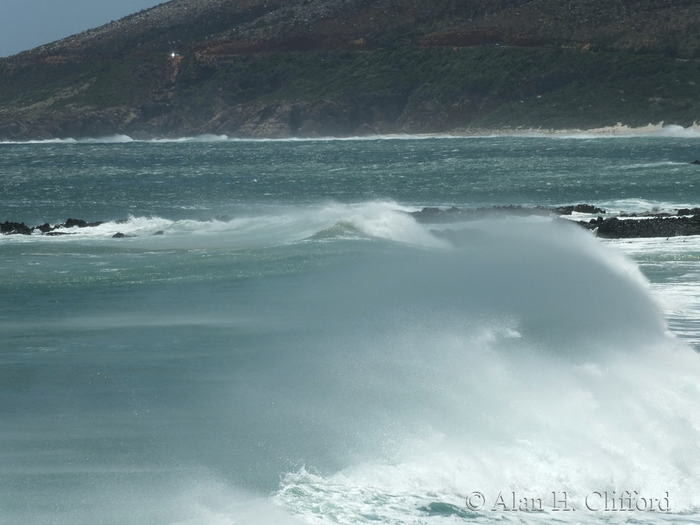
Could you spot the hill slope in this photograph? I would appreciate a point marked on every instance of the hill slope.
(342, 67)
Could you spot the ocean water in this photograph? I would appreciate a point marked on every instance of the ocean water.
(296, 348)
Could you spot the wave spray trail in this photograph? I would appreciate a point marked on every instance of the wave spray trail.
(346, 364)
(528, 358)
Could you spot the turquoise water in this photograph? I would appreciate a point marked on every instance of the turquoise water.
(296, 348)
(46, 182)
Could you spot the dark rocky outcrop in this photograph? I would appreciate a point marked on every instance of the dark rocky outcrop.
(70, 223)
(15, 228)
(46, 229)
(579, 208)
(614, 228)
(688, 211)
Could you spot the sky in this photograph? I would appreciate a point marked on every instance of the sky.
(25, 24)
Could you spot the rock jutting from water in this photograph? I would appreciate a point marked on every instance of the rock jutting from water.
(614, 228)
(19, 228)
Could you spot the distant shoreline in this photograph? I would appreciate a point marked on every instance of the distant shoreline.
(619, 130)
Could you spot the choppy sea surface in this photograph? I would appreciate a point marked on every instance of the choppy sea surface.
(296, 348)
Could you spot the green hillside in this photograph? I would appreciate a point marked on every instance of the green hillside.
(310, 68)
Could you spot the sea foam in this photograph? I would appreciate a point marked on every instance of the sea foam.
(530, 359)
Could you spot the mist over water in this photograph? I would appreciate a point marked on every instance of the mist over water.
(330, 362)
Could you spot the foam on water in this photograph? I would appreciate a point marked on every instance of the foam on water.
(382, 220)
(509, 402)
(380, 368)
(677, 260)
(112, 139)
(528, 357)
(208, 137)
(501, 355)
(619, 131)
(624, 132)
(637, 205)
(652, 165)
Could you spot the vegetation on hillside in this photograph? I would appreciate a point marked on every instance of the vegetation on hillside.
(399, 65)
(548, 87)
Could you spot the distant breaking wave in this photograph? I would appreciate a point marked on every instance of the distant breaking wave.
(521, 355)
(381, 220)
(619, 131)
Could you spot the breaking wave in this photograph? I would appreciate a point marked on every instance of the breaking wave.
(382, 220)
(528, 358)
(619, 131)
(500, 356)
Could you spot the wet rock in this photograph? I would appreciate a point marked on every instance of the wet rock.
(564, 210)
(118, 235)
(614, 228)
(696, 162)
(44, 228)
(579, 208)
(429, 211)
(688, 211)
(70, 223)
(159, 232)
(587, 208)
(11, 228)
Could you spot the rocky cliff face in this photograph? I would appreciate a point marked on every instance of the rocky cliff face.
(344, 67)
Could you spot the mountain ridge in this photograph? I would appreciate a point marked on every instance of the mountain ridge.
(275, 68)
